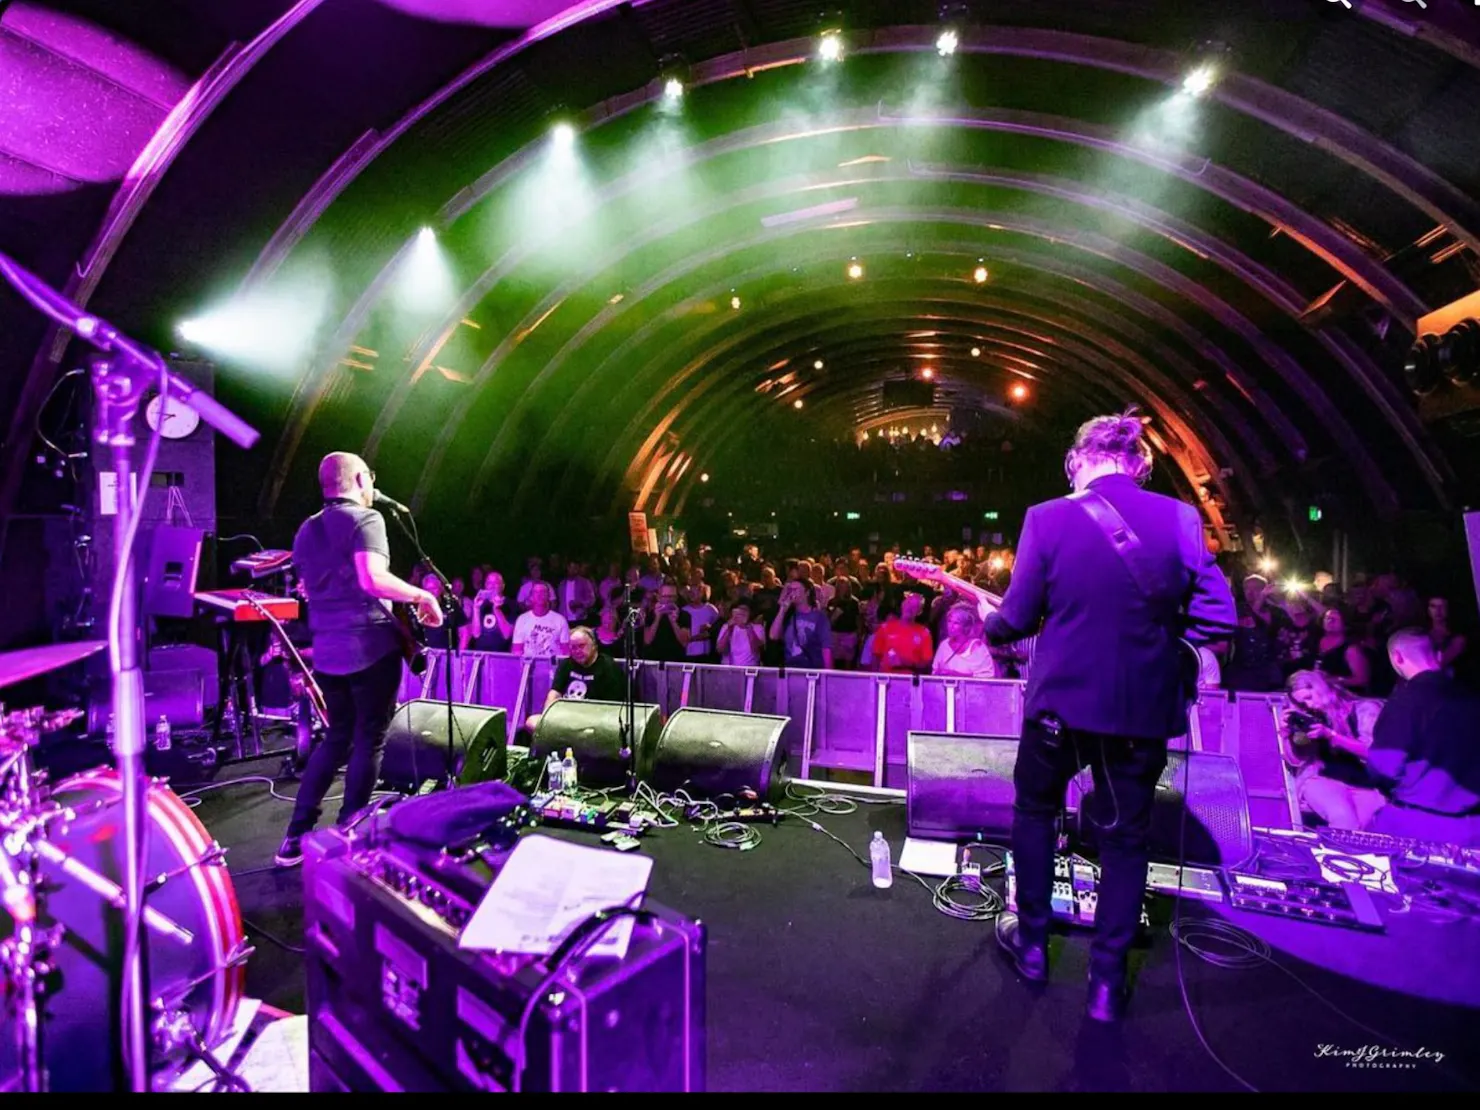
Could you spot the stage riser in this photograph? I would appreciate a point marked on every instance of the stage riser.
(845, 714)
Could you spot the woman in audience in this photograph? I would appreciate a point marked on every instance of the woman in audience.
(1339, 656)
(1324, 737)
(962, 651)
(1449, 644)
(609, 631)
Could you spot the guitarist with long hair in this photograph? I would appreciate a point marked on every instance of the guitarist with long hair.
(343, 560)
(1111, 579)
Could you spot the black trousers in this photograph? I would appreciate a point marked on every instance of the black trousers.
(1125, 773)
(360, 706)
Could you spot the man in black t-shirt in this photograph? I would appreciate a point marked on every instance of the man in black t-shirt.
(343, 561)
(587, 674)
(493, 616)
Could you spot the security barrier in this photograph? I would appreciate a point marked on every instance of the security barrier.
(854, 725)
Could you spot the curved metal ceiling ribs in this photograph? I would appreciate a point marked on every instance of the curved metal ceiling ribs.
(1063, 332)
(1274, 107)
(1304, 226)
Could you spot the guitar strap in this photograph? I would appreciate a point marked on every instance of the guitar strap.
(1123, 540)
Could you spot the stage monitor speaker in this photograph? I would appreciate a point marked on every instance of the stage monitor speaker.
(1209, 789)
(416, 745)
(178, 696)
(592, 730)
(171, 570)
(708, 754)
(959, 786)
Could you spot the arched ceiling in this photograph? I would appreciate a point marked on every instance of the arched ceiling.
(1247, 265)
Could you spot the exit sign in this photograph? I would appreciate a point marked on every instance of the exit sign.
(855, 516)
(1315, 512)
(989, 516)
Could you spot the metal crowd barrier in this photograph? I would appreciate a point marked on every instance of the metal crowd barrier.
(853, 726)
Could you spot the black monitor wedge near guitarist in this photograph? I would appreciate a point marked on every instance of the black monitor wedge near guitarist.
(343, 560)
(1110, 579)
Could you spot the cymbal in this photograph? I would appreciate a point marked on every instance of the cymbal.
(18, 666)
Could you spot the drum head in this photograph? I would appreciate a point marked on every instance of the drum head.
(200, 979)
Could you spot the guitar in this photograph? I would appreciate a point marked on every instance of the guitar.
(1189, 660)
(413, 637)
(291, 653)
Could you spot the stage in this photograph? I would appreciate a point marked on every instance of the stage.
(820, 982)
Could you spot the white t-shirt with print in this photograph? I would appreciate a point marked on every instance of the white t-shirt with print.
(542, 636)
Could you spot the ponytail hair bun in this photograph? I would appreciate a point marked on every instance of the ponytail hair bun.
(1122, 438)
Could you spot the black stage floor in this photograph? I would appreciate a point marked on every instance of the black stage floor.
(820, 982)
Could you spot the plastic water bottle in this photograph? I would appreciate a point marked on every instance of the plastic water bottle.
(555, 773)
(162, 740)
(879, 860)
(568, 770)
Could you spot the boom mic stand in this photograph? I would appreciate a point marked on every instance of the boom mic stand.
(627, 728)
(120, 377)
(450, 605)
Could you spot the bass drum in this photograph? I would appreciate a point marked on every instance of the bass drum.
(187, 882)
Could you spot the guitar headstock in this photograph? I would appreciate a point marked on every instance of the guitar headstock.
(919, 568)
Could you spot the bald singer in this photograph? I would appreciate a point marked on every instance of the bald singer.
(343, 561)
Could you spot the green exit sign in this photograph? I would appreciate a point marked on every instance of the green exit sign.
(855, 516)
(1315, 512)
(989, 516)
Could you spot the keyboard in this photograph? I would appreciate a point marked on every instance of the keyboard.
(235, 606)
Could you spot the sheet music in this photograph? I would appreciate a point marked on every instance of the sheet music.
(547, 888)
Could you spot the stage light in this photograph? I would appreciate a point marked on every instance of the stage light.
(976, 352)
(817, 365)
(1200, 80)
(191, 331)
(927, 373)
(427, 236)
(1268, 565)
(704, 477)
(855, 269)
(673, 89)
(979, 275)
(735, 303)
(1294, 586)
(563, 135)
(1019, 392)
(830, 46)
(797, 403)
(946, 44)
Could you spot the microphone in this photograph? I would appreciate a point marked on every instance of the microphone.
(391, 503)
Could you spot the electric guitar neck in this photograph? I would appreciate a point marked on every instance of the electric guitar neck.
(931, 572)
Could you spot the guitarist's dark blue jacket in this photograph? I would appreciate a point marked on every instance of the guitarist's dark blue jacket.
(1108, 657)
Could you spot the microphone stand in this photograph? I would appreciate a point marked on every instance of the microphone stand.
(120, 377)
(450, 604)
(627, 728)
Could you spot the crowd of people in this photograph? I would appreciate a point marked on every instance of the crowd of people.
(838, 612)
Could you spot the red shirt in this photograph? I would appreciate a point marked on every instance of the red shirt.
(910, 641)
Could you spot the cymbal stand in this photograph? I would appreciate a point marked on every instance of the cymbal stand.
(25, 956)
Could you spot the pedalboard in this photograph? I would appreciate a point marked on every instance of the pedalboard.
(749, 815)
(561, 811)
(1075, 897)
(1185, 882)
(1348, 905)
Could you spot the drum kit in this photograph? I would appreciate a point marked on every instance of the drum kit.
(61, 907)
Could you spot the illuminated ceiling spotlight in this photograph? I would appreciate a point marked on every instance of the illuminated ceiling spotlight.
(192, 331)
(704, 477)
(426, 236)
(928, 374)
(1019, 392)
(672, 88)
(817, 365)
(980, 275)
(735, 301)
(797, 403)
(563, 135)
(976, 352)
(855, 269)
(673, 73)
(946, 43)
(1200, 80)
(830, 46)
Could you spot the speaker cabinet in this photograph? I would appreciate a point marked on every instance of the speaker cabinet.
(708, 753)
(416, 745)
(1208, 789)
(592, 730)
(959, 786)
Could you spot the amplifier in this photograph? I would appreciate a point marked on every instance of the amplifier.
(395, 1005)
